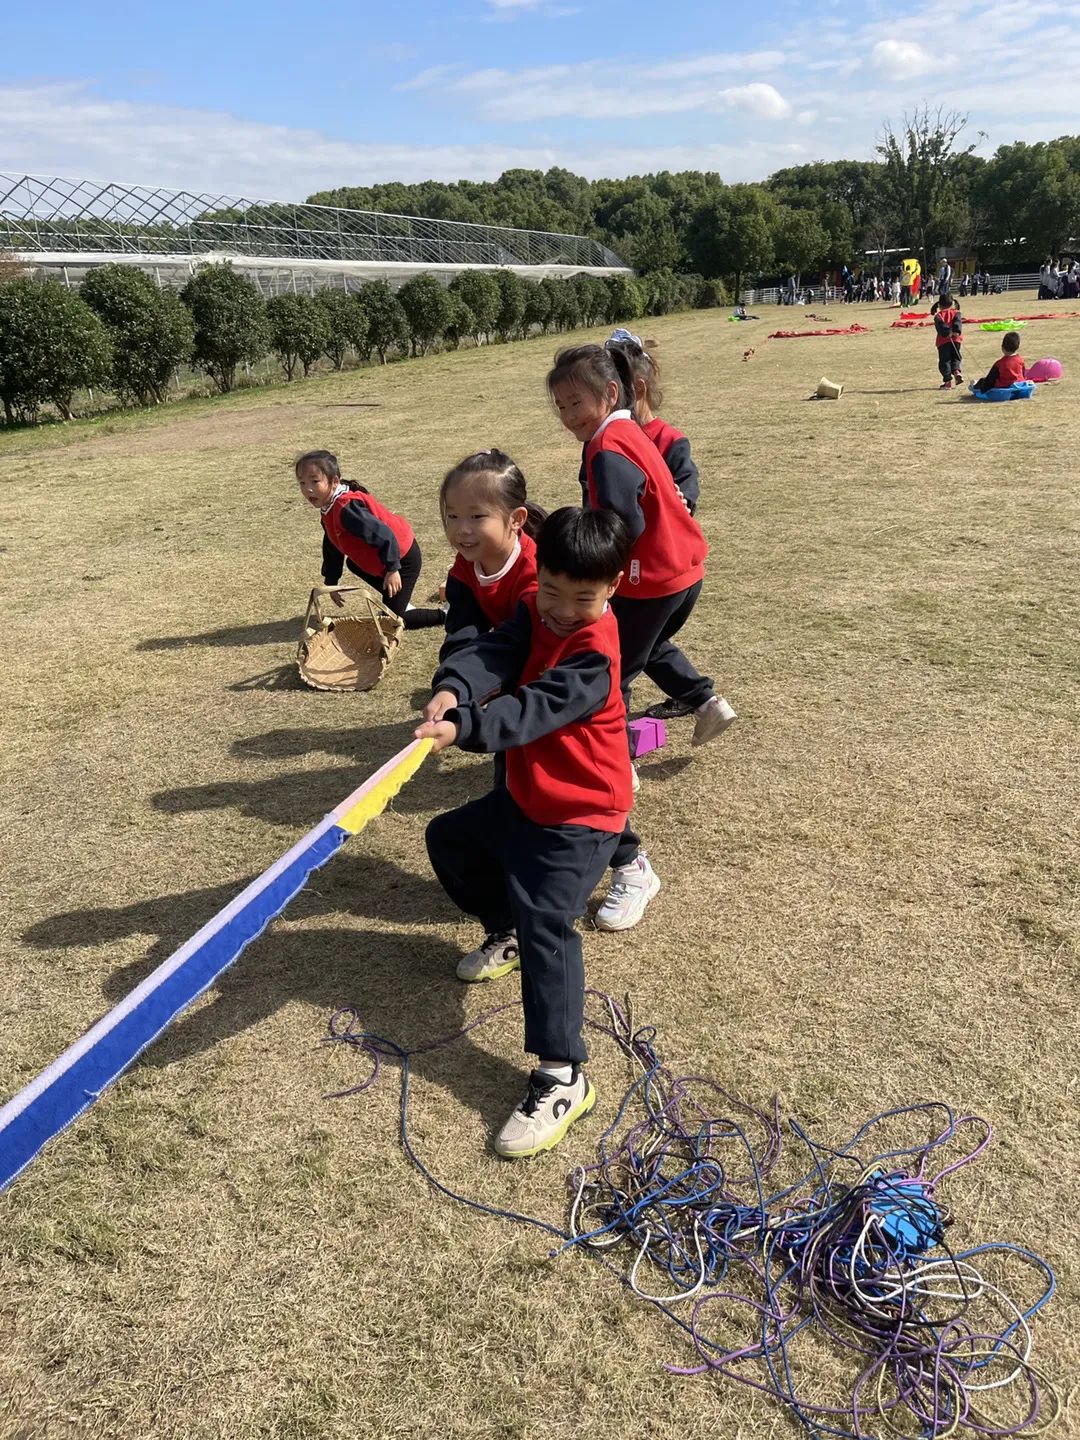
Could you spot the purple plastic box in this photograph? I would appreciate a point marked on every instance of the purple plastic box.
(646, 735)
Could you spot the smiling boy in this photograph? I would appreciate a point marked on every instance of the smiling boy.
(525, 858)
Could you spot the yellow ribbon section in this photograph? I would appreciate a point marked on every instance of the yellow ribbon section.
(375, 801)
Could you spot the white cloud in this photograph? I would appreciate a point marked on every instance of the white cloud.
(901, 59)
(759, 99)
(507, 9)
(603, 90)
(427, 79)
(613, 115)
(68, 130)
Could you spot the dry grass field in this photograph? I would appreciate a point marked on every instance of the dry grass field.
(870, 884)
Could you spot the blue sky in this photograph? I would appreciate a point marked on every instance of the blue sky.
(262, 98)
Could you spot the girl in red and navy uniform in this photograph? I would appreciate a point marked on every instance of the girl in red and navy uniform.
(675, 448)
(525, 858)
(672, 444)
(374, 542)
(593, 391)
(492, 525)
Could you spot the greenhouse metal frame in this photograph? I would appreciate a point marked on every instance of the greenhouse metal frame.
(53, 214)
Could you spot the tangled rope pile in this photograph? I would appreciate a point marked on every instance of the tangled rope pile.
(678, 1205)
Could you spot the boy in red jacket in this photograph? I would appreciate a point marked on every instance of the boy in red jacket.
(525, 858)
(949, 325)
(1006, 371)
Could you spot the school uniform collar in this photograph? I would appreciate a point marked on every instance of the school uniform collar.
(615, 415)
(482, 579)
(339, 489)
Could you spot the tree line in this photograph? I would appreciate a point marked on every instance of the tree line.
(122, 334)
(926, 189)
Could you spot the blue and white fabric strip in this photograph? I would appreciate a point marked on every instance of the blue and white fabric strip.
(72, 1083)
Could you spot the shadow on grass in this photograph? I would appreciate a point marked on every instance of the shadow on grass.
(268, 632)
(361, 885)
(401, 985)
(304, 797)
(668, 769)
(281, 677)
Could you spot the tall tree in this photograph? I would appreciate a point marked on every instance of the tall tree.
(732, 234)
(800, 241)
(922, 164)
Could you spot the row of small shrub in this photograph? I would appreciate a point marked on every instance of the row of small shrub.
(122, 334)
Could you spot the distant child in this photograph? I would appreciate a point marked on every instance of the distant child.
(374, 542)
(949, 325)
(593, 391)
(525, 858)
(675, 448)
(492, 525)
(1006, 371)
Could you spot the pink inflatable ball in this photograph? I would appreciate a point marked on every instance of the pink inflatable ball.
(1042, 371)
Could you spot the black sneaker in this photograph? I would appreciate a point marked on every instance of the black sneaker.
(670, 710)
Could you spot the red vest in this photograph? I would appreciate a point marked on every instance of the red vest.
(669, 554)
(947, 317)
(499, 601)
(579, 775)
(662, 435)
(361, 554)
(1010, 369)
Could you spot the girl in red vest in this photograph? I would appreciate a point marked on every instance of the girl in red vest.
(675, 448)
(648, 397)
(593, 391)
(492, 525)
(374, 542)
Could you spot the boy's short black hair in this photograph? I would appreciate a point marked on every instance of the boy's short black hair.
(583, 544)
(1010, 342)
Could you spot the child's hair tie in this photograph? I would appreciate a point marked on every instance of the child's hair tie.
(619, 336)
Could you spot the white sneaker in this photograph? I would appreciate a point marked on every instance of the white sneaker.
(713, 718)
(545, 1115)
(632, 887)
(496, 957)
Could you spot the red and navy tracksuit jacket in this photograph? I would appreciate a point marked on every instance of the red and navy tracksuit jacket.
(475, 608)
(675, 448)
(625, 472)
(562, 722)
(949, 325)
(1006, 371)
(358, 528)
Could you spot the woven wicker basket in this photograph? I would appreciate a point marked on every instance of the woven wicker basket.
(344, 650)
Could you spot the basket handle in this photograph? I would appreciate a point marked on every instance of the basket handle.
(371, 596)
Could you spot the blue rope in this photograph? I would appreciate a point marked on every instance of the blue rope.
(842, 1253)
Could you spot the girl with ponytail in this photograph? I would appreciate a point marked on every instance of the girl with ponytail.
(592, 389)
